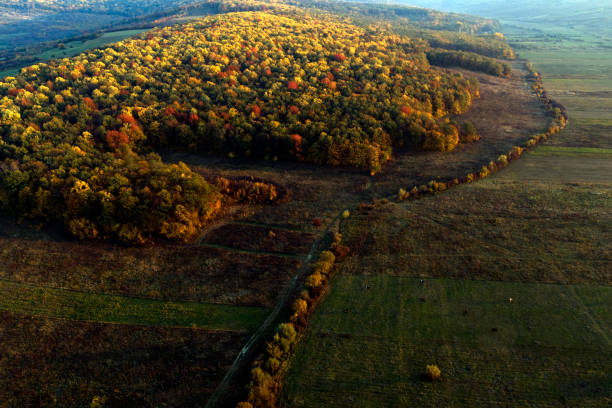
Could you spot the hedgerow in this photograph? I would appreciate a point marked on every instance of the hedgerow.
(558, 122)
(268, 370)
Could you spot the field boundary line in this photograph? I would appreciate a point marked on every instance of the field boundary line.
(267, 325)
(251, 251)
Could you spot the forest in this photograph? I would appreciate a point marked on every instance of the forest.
(79, 135)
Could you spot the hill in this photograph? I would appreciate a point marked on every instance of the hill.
(77, 133)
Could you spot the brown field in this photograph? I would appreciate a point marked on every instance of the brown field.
(195, 273)
(48, 363)
(257, 238)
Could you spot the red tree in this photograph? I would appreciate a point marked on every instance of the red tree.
(116, 138)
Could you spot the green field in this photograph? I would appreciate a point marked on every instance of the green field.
(550, 346)
(539, 232)
(95, 307)
(560, 165)
(576, 69)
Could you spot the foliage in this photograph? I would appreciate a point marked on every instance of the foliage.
(468, 133)
(557, 123)
(265, 378)
(486, 45)
(76, 132)
(468, 60)
(433, 373)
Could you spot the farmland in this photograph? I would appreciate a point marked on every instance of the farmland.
(50, 362)
(538, 235)
(504, 283)
(550, 346)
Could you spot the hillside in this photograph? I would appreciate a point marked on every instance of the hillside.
(77, 133)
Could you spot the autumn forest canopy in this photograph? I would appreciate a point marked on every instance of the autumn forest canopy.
(78, 136)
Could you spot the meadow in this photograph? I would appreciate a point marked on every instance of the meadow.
(496, 343)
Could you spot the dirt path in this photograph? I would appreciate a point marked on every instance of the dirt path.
(245, 355)
(226, 219)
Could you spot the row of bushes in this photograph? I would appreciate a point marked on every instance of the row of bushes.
(559, 114)
(250, 190)
(268, 370)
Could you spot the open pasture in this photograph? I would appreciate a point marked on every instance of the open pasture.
(524, 319)
(371, 339)
(545, 218)
(96, 307)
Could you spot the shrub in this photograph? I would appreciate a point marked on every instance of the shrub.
(468, 133)
(300, 307)
(433, 373)
(341, 251)
(314, 280)
(325, 262)
(502, 160)
(272, 365)
(97, 402)
(442, 142)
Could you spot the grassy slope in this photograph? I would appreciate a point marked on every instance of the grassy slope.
(87, 306)
(73, 48)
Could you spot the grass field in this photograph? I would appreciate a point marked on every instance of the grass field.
(545, 218)
(550, 346)
(87, 306)
(561, 165)
(576, 69)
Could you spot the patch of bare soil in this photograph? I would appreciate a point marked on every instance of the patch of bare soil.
(258, 238)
